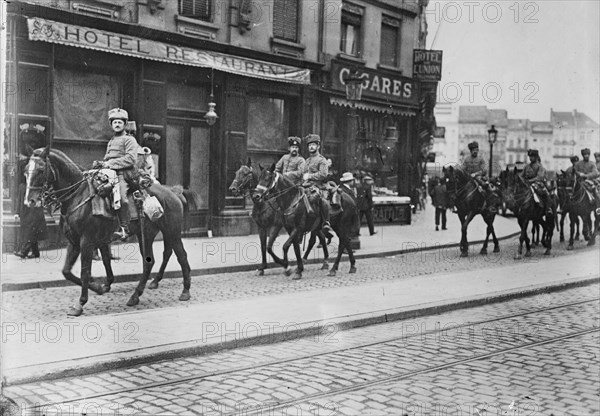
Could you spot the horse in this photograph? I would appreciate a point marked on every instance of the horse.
(469, 203)
(269, 219)
(519, 199)
(564, 190)
(51, 174)
(297, 219)
(581, 204)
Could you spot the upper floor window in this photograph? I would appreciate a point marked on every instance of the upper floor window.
(351, 38)
(285, 20)
(197, 9)
(390, 41)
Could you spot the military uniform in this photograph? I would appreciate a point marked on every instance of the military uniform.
(590, 172)
(535, 174)
(474, 165)
(315, 172)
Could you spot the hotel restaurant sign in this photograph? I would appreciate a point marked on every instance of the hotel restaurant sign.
(100, 40)
(378, 84)
(427, 65)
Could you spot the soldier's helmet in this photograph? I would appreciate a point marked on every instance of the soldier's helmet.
(313, 138)
(118, 114)
(294, 141)
(585, 151)
(574, 159)
(533, 152)
(473, 145)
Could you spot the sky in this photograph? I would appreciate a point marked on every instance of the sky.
(522, 56)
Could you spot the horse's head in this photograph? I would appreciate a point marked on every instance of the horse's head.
(39, 176)
(245, 179)
(266, 182)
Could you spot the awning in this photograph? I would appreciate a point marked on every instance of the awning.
(100, 40)
(342, 102)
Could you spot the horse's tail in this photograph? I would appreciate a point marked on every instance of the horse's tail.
(189, 199)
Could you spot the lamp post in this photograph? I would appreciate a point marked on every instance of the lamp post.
(353, 94)
(492, 137)
(211, 115)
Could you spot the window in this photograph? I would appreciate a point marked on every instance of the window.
(390, 28)
(285, 20)
(350, 40)
(268, 123)
(197, 9)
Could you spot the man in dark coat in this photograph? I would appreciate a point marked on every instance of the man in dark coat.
(347, 183)
(33, 227)
(439, 199)
(364, 202)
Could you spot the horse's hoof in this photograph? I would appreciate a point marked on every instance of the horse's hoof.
(107, 288)
(352, 269)
(496, 249)
(570, 247)
(297, 276)
(518, 257)
(133, 301)
(528, 254)
(153, 285)
(592, 242)
(75, 310)
(464, 254)
(259, 272)
(288, 271)
(325, 266)
(185, 296)
(331, 273)
(97, 288)
(483, 252)
(547, 252)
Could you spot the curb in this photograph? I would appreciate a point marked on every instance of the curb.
(176, 274)
(147, 355)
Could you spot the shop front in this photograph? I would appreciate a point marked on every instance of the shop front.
(64, 78)
(374, 136)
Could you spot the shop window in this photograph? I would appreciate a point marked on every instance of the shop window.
(268, 124)
(351, 38)
(186, 97)
(285, 20)
(390, 40)
(81, 103)
(196, 9)
(33, 89)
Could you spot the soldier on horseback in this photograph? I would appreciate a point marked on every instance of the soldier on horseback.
(570, 169)
(587, 169)
(535, 174)
(316, 171)
(292, 164)
(475, 166)
(121, 156)
(597, 157)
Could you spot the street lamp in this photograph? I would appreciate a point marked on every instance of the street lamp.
(354, 85)
(492, 137)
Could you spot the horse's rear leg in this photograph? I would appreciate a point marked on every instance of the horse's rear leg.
(262, 235)
(167, 252)
(110, 277)
(323, 242)
(148, 262)
(87, 252)
(311, 243)
(298, 253)
(273, 233)
(185, 268)
(562, 227)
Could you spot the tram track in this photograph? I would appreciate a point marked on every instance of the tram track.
(395, 377)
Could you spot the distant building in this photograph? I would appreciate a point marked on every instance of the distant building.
(541, 139)
(446, 148)
(518, 140)
(572, 131)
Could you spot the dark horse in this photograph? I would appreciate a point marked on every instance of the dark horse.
(519, 199)
(469, 203)
(297, 220)
(269, 219)
(564, 190)
(50, 173)
(581, 204)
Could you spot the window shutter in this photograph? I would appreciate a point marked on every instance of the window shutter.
(285, 20)
(200, 9)
(389, 45)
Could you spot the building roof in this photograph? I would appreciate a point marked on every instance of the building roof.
(541, 127)
(519, 124)
(473, 114)
(573, 119)
(498, 118)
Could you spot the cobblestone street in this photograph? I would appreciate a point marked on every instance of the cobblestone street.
(530, 356)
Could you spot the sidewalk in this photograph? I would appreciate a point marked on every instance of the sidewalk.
(74, 347)
(228, 254)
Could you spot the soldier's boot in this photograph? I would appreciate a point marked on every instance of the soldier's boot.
(123, 214)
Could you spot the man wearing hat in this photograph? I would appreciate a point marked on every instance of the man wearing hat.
(587, 169)
(535, 174)
(347, 185)
(316, 171)
(475, 166)
(364, 202)
(121, 156)
(570, 169)
(292, 164)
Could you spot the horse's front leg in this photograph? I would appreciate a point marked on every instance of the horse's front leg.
(298, 253)
(167, 252)
(182, 259)
(572, 219)
(286, 246)
(87, 252)
(592, 230)
(106, 261)
(273, 233)
(464, 243)
(562, 226)
(526, 238)
(262, 236)
(72, 254)
(323, 242)
(148, 262)
(311, 243)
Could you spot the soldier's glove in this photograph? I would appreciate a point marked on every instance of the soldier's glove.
(305, 176)
(97, 164)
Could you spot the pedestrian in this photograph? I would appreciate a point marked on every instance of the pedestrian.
(364, 202)
(121, 156)
(348, 186)
(32, 220)
(440, 200)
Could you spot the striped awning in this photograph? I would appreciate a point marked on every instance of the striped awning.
(378, 108)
